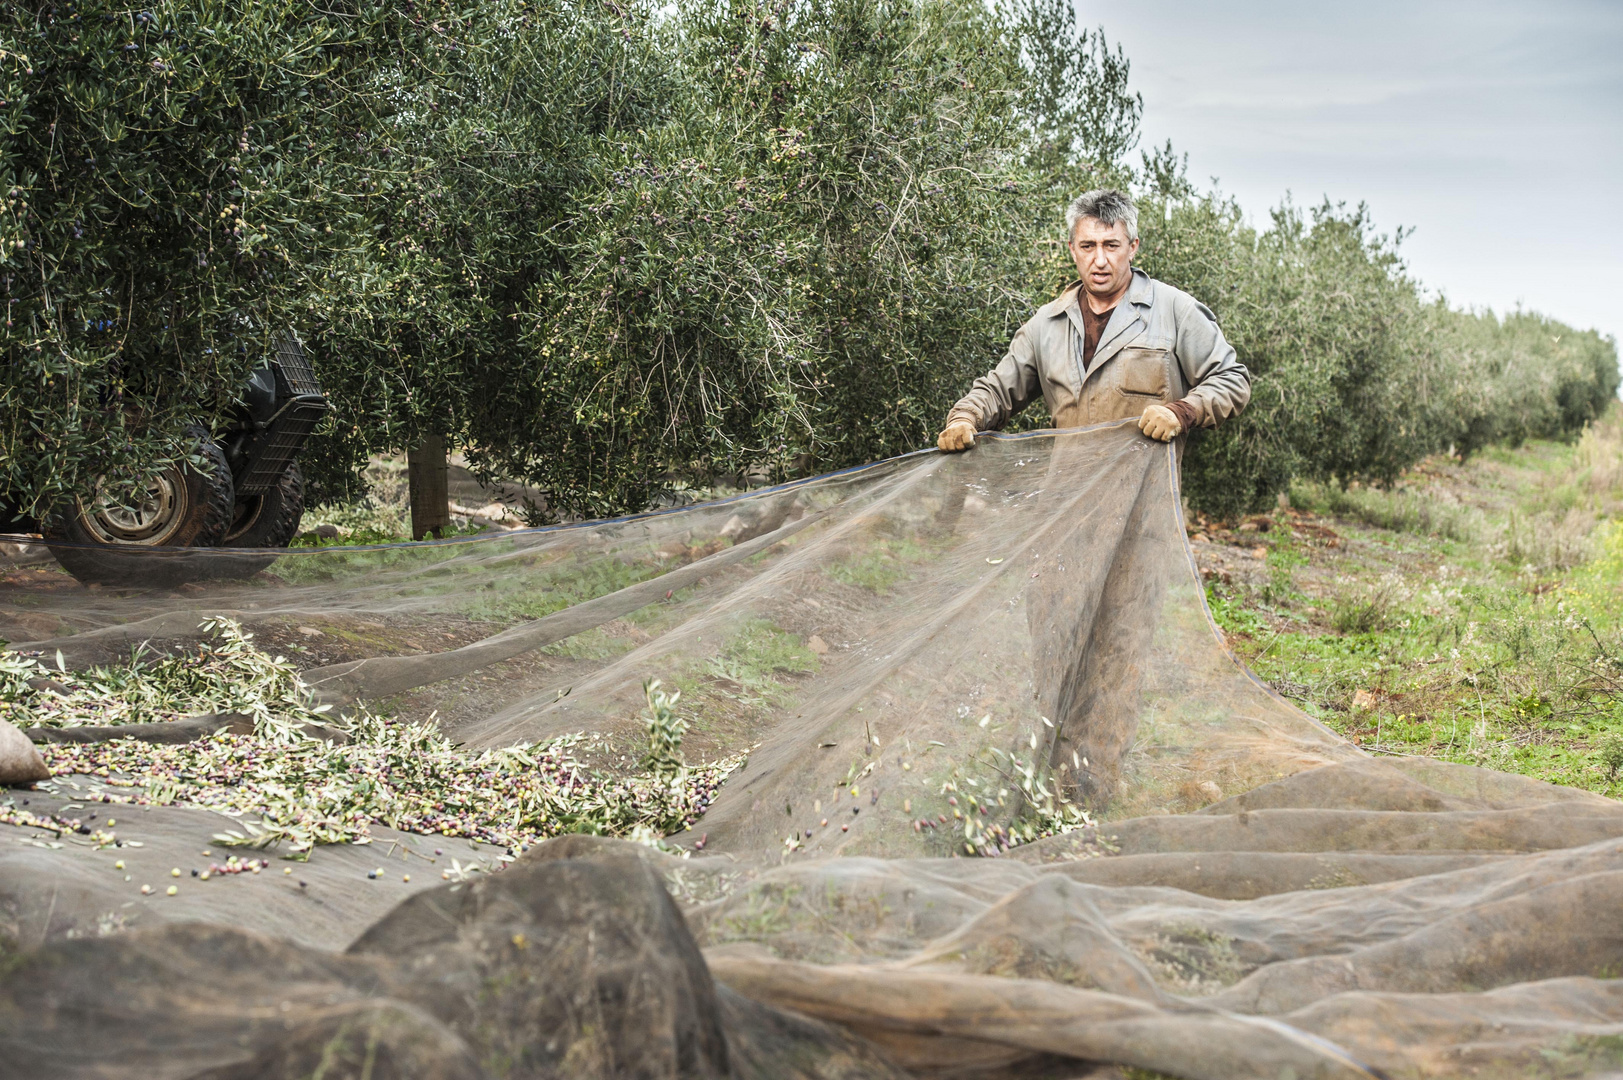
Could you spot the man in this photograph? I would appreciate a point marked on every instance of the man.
(1115, 344)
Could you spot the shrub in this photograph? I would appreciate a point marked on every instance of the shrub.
(1364, 613)
(1399, 511)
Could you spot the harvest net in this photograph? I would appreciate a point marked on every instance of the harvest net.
(954, 773)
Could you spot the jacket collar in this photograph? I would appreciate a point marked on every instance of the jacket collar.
(1140, 293)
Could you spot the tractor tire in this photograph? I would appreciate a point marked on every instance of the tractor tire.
(268, 520)
(101, 541)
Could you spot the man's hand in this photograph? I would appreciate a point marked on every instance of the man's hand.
(1157, 421)
(960, 435)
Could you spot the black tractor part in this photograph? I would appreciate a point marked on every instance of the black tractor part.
(271, 518)
(281, 407)
(106, 538)
(249, 495)
(268, 520)
(282, 404)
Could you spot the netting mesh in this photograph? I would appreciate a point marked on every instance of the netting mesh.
(1008, 801)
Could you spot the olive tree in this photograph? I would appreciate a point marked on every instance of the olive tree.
(181, 185)
(470, 213)
(792, 268)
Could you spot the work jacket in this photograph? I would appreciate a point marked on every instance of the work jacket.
(1160, 345)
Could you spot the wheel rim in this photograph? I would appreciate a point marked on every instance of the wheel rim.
(145, 513)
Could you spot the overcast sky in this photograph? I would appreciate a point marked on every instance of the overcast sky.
(1494, 128)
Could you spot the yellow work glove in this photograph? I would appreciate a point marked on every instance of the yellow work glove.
(959, 435)
(1157, 421)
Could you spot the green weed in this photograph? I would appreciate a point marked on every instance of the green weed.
(1194, 960)
(1283, 560)
(594, 644)
(542, 591)
(1610, 753)
(880, 567)
(767, 911)
(1232, 614)
(757, 656)
(1368, 613)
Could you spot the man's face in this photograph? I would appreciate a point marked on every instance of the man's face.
(1104, 256)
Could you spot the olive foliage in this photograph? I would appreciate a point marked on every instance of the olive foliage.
(795, 268)
(180, 184)
(745, 238)
(610, 248)
(487, 159)
(1355, 374)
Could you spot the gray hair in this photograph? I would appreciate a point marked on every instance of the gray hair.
(1107, 205)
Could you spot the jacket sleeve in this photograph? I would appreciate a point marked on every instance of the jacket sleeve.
(1219, 385)
(1002, 392)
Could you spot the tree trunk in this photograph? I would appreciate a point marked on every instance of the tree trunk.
(427, 467)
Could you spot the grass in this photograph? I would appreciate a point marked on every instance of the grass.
(537, 590)
(758, 654)
(1474, 613)
(734, 692)
(382, 517)
(530, 587)
(880, 567)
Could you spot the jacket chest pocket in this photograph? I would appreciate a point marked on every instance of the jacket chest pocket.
(1143, 371)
